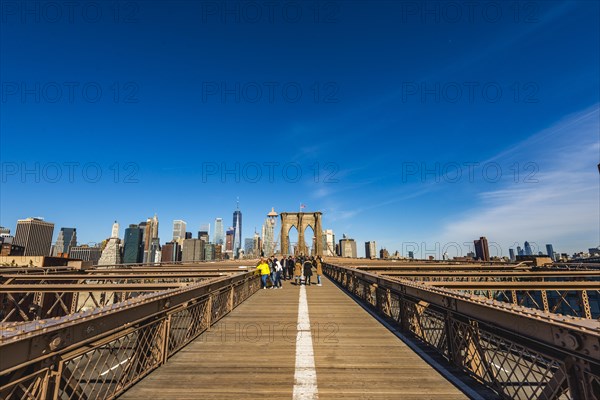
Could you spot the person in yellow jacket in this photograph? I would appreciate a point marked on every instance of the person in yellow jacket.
(263, 269)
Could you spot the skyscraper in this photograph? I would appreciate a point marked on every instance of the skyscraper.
(268, 239)
(249, 246)
(111, 254)
(193, 250)
(237, 231)
(219, 236)
(203, 234)
(482, 251)
(179, 227)
(347, 247)
(170, 252)
(229, 240)
(86, 253)
(550, 251)
(370, 249)
(209, 251)
(154, 255)
(511, 253)
(256, 245)
(528, 251)
(329, 245)
(35, 235)
(133, 249)
(67, 238)
(151, 233)
(520, 251)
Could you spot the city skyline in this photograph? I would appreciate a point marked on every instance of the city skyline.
(422, 249)
(411, 129)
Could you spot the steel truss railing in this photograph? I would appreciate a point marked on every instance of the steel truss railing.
(28, 297)
(518, 352)
(576, 298)
(100, 355)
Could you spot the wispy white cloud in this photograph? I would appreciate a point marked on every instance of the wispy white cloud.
(562, 207)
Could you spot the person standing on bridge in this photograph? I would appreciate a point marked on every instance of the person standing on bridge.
(307, 271)
(271, 268)
(298, 271)
(319, 266)
(264, 270)
(277, 273)
(289, 268)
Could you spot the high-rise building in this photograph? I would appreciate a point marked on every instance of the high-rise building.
(179, 230)
(237, 231)
(35, 235)
(171, 252)
(328, 243)
(154, 254)
(528, 251)
(67, 238)
(249, 247)
(4, 231)
(86, 253)
(411, 255)
(151, 233)
(511, 253)
(257, 245)
(111, 254)
(188, 235)
(384, 254)
(520, 251)
(268, 239)
(347, 247)
(133, 248)
(219, 237)
(370, 249)
(209, 251)
(550, 251)
(482, 251)
(203, 235)
(193, 250)
(229, 240)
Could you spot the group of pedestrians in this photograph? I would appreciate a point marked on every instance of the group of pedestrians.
(299, 269)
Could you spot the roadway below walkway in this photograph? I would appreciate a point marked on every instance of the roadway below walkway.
(296, 343)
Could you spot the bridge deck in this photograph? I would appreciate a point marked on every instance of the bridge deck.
(251, 353)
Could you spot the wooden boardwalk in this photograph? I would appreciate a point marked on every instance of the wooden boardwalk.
(251, 354)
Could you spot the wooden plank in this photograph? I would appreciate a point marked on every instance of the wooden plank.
(251, 354)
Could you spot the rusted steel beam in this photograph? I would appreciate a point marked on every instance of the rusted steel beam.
(72, 331)
(92, 287)
(510, 285)
(563, 333)
(510, 274)
(71, 277)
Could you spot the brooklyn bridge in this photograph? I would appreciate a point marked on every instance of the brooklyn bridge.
(374, 329)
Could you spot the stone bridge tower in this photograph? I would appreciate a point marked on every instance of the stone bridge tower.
(301, 220)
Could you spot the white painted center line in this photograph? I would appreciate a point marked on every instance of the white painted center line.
(305, 377)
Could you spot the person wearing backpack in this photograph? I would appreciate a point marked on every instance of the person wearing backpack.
(307, 266)
(277, 273)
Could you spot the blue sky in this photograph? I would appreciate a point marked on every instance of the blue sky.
(426, 124)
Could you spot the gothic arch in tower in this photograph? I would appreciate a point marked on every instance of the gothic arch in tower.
(301, 220)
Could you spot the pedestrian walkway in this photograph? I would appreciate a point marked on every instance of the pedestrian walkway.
(275, 346)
